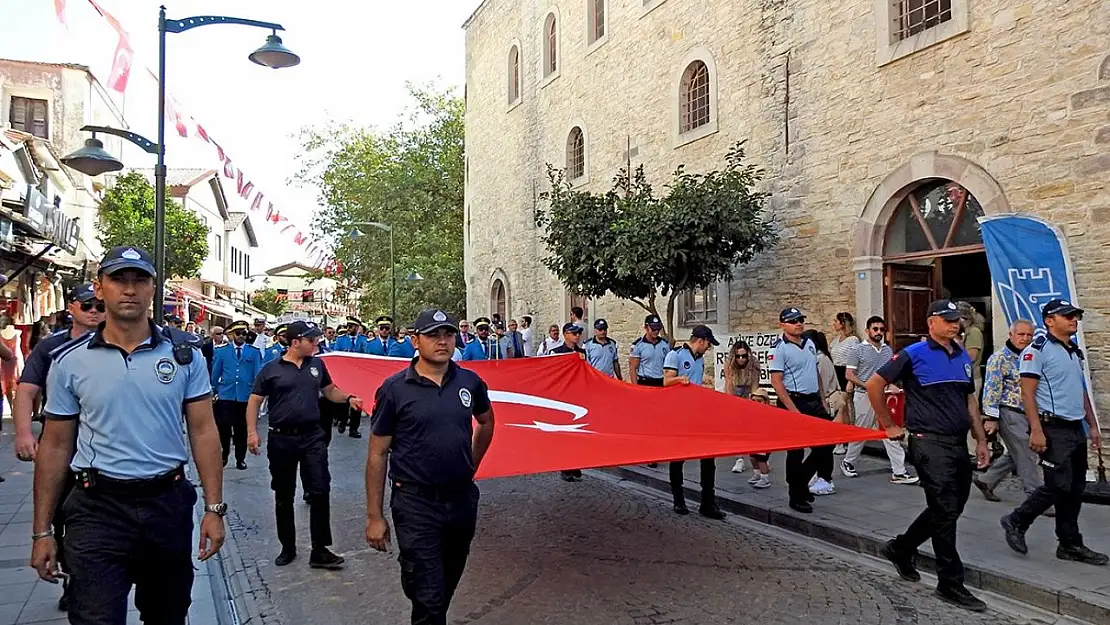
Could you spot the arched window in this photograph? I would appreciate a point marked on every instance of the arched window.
(597, 20)
(514, 74)
(550, 45)
(937, 218)
(497, 299)
(576, 154)
(694, 97)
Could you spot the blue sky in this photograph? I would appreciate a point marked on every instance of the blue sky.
(356, 57)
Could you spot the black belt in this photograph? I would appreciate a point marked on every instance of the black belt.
(1020, 411)
(950, 439)
(646, 381)
(809, 396)
(93, 480)
(1054, 419)
(448, 491)
(294, 430)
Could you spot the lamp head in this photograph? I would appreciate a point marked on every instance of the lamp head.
(274, 55)
(92, 159)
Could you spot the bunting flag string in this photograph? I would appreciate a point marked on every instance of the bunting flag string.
(187, 127)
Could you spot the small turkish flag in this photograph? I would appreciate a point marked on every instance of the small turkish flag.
(60, 10)
(121, 65)
(1027, 357)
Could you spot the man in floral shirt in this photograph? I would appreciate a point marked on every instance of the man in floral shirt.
(1002, 412)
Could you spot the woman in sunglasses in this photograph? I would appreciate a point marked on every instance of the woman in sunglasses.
(742, 380)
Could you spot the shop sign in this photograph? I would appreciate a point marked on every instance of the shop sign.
(48, 221)
(760, 342)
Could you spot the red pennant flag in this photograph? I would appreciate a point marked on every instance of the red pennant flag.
(60, 10)
(173, 114)
(557, 412)
(121, 65)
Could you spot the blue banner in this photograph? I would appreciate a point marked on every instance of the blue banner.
(1029, 265)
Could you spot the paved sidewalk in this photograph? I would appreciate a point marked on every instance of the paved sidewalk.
(24, 598)
(867, 511)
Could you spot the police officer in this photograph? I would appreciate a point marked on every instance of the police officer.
(602, 352)
(281, 343)
(292, 384)
(1056, 404)
(403, 347)
(485, 346)
(380, 344)
(234, 367)
(793, 366)
(423, 426)
(352, 341)
(261, 340)
(129, 519)
(572, 337)
(685, 366)
(87, 312)
(940, 409)
(645, 364)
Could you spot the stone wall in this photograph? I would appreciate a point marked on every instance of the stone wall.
(1023, 97)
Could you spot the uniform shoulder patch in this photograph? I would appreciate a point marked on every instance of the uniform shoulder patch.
(775, 343)
(60, 351)
(181, 337)
(637, 341)
(1039, 342)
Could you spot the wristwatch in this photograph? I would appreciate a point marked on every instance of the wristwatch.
(218, 509)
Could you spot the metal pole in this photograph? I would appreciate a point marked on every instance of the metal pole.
(393, 276)
(160, 179)
(15, 274)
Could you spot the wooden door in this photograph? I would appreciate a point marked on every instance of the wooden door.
(909, 291)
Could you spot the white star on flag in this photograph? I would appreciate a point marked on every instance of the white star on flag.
(551, 427)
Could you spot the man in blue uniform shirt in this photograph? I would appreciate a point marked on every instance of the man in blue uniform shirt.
(234, 367)
(380, 344)
(352, 341)
(114, 404)
(685, 366)
(485, 346)
(281, 343)
(423, 427)
(645, 364)
(1056, 403)
(602, 352)
(941, 407)
(403, 347)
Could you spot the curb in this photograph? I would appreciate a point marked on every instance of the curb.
(1068, 602)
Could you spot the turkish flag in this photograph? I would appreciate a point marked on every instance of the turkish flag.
(557, 412)
(60, 10)
(121, 65)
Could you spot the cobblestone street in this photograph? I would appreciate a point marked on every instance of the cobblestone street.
(595, 552)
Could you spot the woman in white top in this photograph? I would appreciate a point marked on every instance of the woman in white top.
(844, 343)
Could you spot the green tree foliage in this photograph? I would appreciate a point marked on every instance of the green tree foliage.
(267, 299)
(409, 177)
(689, 237)
(127, 218)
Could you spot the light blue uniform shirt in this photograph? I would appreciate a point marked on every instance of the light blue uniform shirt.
(402, 349)
(272, 352)
(378, 347)
(1059, 371)
(798, 365)
(233, 374)
(651, 357)
(683, 362)
(128, 405)
(602, 357)
(356, 344)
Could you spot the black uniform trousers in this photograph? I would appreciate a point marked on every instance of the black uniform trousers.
(116, 538)
(434, 527)
(945, 470)
(1064, 463)
(799, 467)
(303, 448)
(708, 482)
(231, 421)
(331, 414)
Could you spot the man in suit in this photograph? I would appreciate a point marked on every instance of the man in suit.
(516, 341)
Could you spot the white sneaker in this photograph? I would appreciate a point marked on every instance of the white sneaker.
(831, 489)
(763, 482)
(840, 449)
(848, 469)
(739, 466)
(904, 478)
(755, 476)
(813, 480)
(818, 487)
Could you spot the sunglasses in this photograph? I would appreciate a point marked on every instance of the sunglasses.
(878, 329)
(1074, 315)
(795, 322)
(741, 356)
(87, 306)
(238, 333)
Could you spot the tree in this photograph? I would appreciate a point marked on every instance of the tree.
(409, 177)
(268, 300)
(690, 237)
(127, 218)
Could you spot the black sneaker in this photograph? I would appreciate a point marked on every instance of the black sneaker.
(285, 557)
(711, 511)
(63, 601)
(959, 596)
(1082, 554)
(241, 465)
(324, 559)
(1015, 536)
(342, 428)
(356, 435)
(902, 562)
(801, 506)
(988, 492)
(681, 509)
(568, 476)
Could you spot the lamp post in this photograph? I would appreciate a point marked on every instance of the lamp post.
(356, 233)
(89, 161)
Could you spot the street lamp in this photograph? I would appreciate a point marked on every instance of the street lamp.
(93, 160)
(414, 277)
(356, 233)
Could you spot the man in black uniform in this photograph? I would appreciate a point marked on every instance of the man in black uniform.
(423, 424)
(293, 384)
(941, 407)
(572, 337)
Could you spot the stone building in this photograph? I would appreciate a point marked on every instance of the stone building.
(884, 127)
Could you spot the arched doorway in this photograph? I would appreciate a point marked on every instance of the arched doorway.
(932, 249)
(498, 300)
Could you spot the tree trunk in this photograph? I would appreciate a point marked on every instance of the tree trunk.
(670, 316)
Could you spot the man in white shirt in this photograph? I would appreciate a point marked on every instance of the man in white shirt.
(526, 333)
(261, 341)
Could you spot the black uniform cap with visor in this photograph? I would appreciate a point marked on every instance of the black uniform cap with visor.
(432, 320)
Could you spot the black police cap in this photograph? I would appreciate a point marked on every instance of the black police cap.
(653, 322)
(791, 313)
(704, 332)
(82, 293)
(572, 327)
(434, 319)
(601, 324)
(127, 257)
(1060, 307)
(302, 330)
(945, 309)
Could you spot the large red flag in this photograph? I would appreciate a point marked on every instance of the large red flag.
(558, 412)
